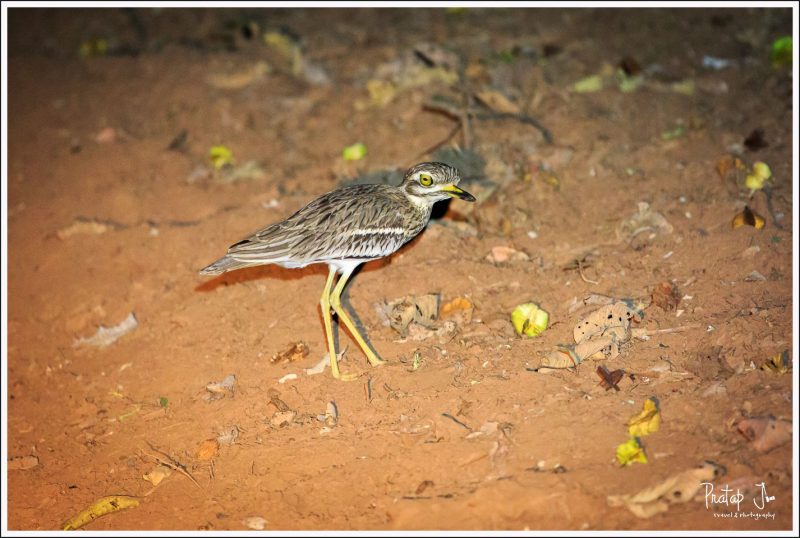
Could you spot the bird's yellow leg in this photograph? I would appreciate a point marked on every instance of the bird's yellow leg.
(336, 303)
(325, 304)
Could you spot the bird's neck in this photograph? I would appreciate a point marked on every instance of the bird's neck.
(422, 203)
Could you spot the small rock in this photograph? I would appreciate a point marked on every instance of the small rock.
(106, 136)
(502, 254)
(755, 276)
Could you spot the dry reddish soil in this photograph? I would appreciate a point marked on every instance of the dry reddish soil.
(104, 220)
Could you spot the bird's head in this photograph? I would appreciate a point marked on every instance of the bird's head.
(426, 183)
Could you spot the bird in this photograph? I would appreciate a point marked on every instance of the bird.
(344, 228)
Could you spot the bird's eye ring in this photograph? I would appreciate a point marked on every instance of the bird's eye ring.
(425, 180)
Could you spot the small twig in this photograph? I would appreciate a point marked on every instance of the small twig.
(451, 110)
(173, 464)
(608, 378)
(522, 118)
(673, 329)
(454, 419)
(368, 389)
(584, 278)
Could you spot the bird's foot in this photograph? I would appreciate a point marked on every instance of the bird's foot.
(376, 361)
(344, 377)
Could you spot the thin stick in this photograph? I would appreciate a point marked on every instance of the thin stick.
(172, 463)
(454, 419)
(585, 279)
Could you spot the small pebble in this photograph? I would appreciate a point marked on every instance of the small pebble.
(755, 276)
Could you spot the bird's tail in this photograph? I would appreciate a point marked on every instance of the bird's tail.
(223, 265)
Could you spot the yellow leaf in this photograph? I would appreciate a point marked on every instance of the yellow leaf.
(529, 319)
(630, 452)
(762, 170)
(589, 84)
(778, 364)
(101, 507)
(355, 152)
(220, 156)
(646, 422)
(754, 182)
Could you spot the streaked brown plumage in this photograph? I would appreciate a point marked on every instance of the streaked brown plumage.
(347, 227)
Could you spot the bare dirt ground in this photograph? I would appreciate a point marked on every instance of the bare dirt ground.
(104, 220)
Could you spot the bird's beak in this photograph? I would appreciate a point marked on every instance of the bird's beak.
(455, 192)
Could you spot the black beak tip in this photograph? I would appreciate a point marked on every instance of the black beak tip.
(467, 197)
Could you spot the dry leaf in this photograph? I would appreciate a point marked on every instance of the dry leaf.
(748, 217)
(609, 380)
(23, 463)
(765, 433)
(631, 452)
(421, 309)
(728, 163)
(459, 308)
(294, 352)
(679, 488)
(158, 474)
(778, 363)
(101, 507)
(207, 450)
(646, 422)
(87, 226)
(666, 296)
(106, 336)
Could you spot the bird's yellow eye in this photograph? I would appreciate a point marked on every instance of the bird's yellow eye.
(425, 180)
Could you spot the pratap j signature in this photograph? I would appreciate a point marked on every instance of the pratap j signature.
(728, 496)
